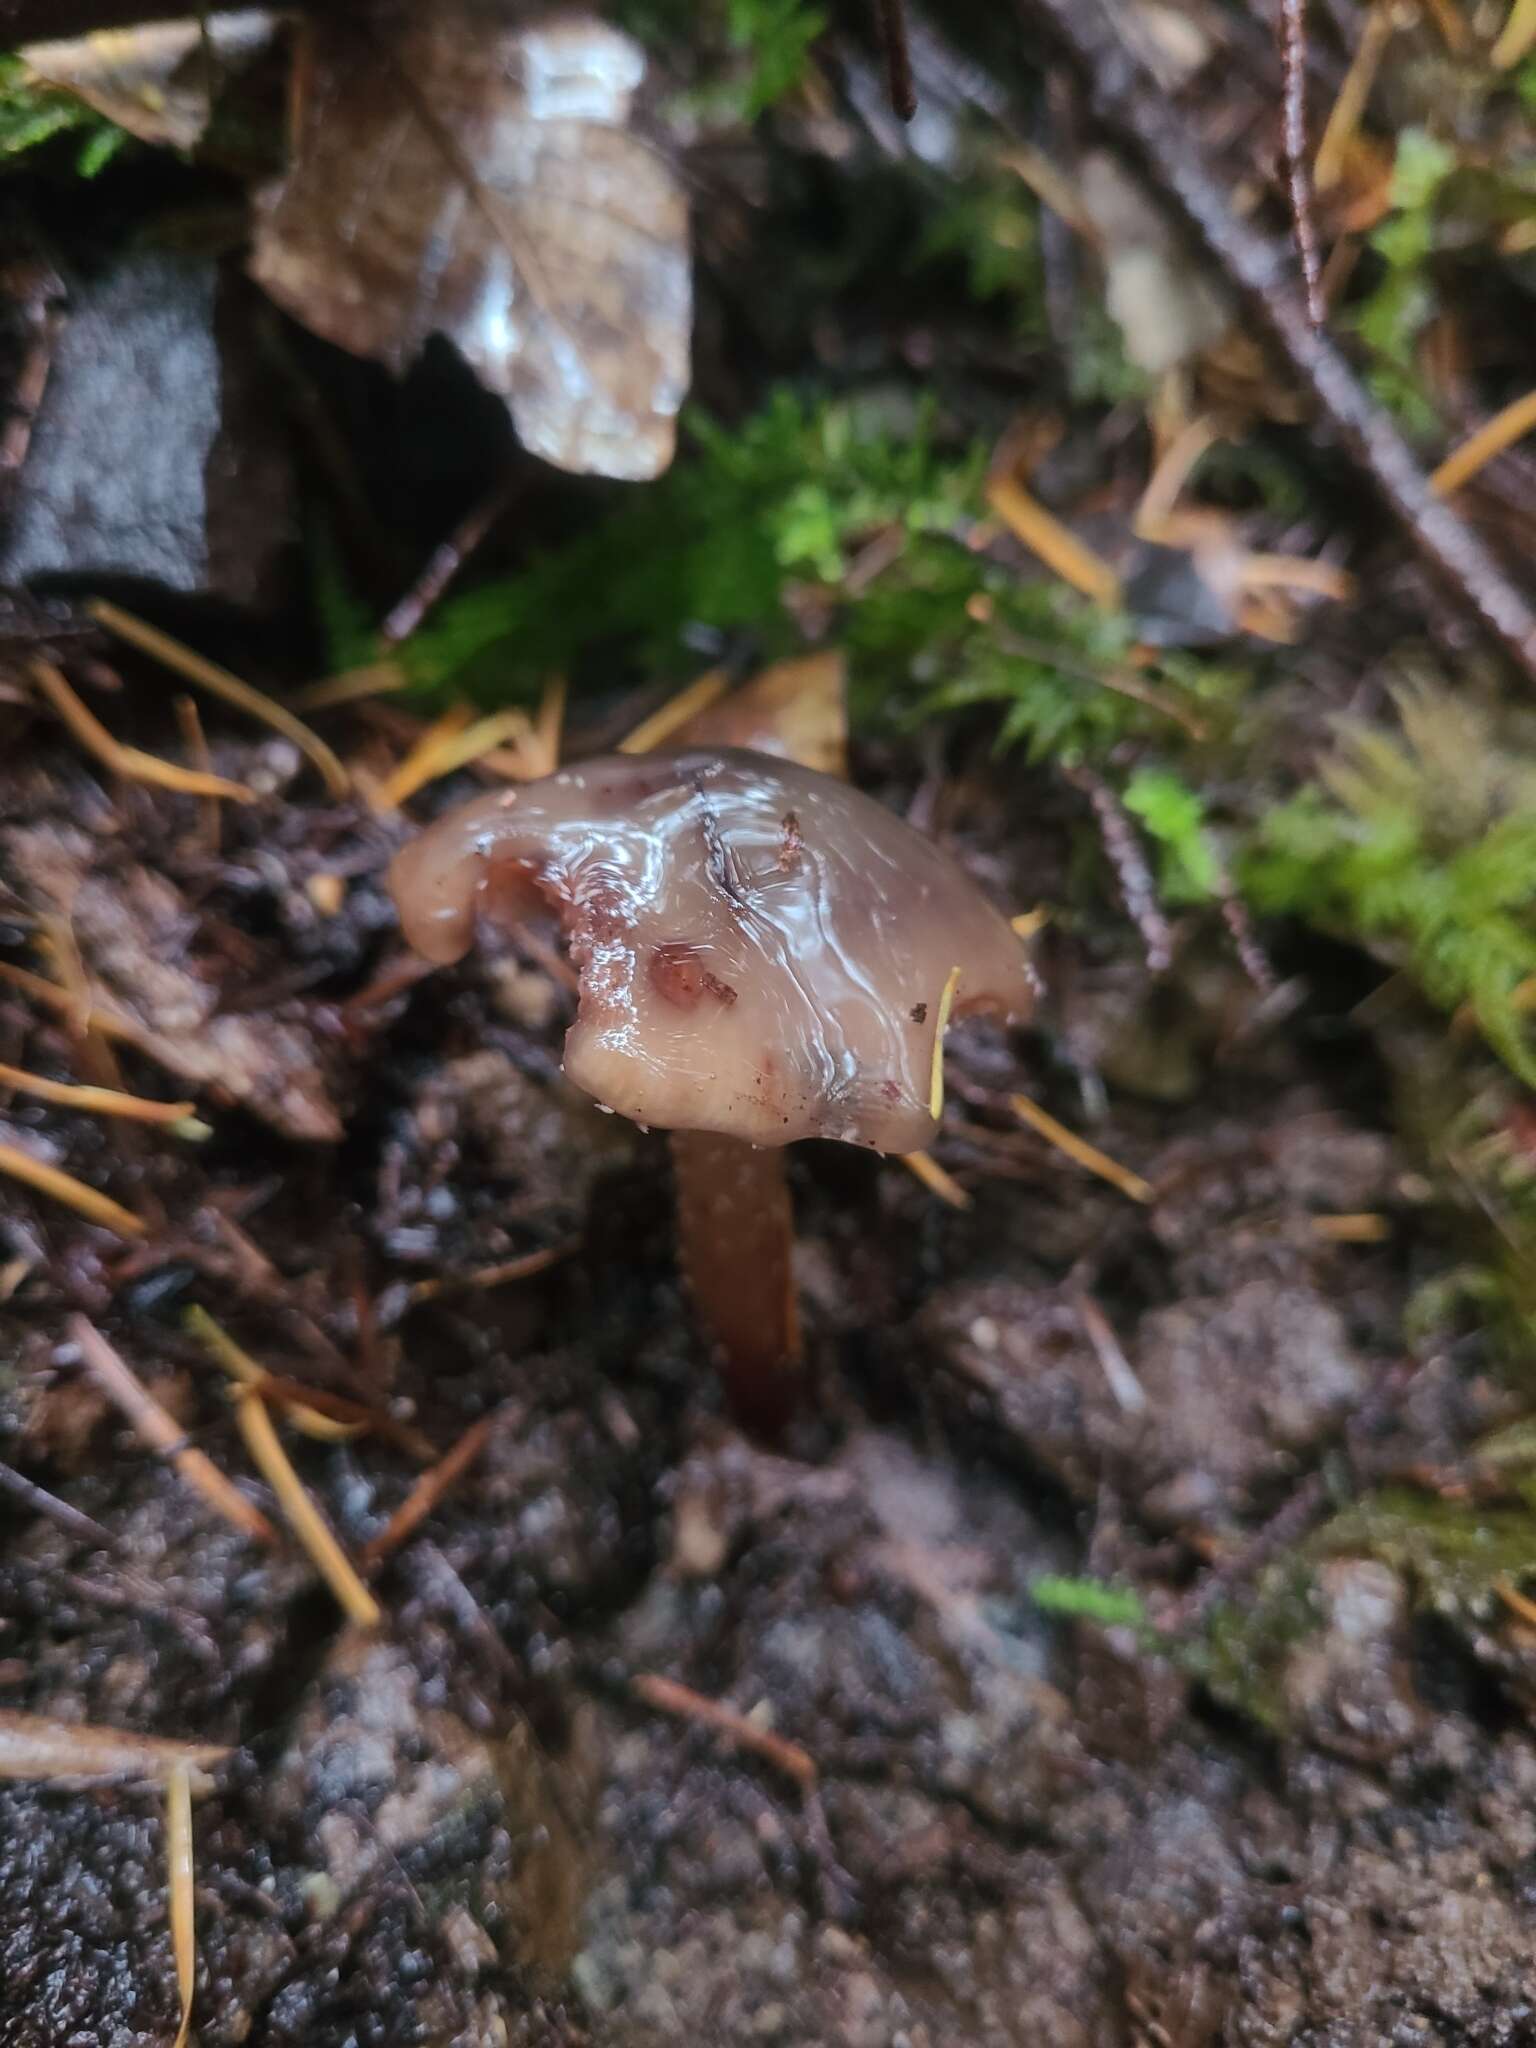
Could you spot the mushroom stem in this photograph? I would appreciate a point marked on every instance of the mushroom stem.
(736, 1234)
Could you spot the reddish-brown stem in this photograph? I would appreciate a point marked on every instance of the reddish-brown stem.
(735, 1236)
(1298, 174)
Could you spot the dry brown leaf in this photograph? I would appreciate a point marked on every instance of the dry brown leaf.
(797, 709)
(158, 81)
(454, 174)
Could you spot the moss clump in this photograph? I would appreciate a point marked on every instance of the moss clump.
(1422, 846)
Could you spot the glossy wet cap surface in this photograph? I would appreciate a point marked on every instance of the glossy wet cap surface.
(762, 949)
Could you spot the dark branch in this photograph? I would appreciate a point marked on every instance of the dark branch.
(1131, 106)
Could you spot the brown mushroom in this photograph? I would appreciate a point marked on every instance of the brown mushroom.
(764, 954)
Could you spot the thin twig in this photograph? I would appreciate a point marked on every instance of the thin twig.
(669, 1697)
(1127, 857)
(1298, 176)
(446, 561)
(164, 1434)
(892, 16)
(42, 1502)
(1136, 112)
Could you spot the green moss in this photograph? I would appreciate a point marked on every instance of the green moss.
(1421, 845)
(1452, 1552)
(32, 115)
(1242, 1654)
(1174, 816)
(746, 55)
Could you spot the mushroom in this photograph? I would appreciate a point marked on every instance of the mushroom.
(764, 955)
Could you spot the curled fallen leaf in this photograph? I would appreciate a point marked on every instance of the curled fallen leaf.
(452, 173)
(157, 80)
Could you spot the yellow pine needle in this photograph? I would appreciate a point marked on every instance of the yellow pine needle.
(1519, 1604)
(63, 1187)
(61, 1000)
(353, 685)
(698, 695)
(1516, 36)
(178, 1856)
(164, 1434)
(1296, 572)
(1479, 448)
(113, 754)
(1059, 548)
(242, 1367)
(941, 1025)
(97, 1101)
(304, 1518)
(549, 724)
(1052, 187)
(220, 683)
(925, 1168)
(1174, 468)
(1364, 1227)
(453, 742)
(1079, 1149)
(1344, 121)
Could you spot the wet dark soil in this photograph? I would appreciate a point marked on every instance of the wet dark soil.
(469, 1828)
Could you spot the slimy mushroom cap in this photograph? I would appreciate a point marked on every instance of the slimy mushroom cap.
(762, 950)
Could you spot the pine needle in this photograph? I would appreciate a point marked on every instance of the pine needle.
(667, 1695)
(451, 742)
(1490, 439)
(63, 1187)
(81, 1752)
(430, 1488)
(933, 1177)
(1079, 1149)
(549, 724)
(1364, 1227)
(1344, 121)
(220, 683)
(96, 1101)
(941, 1025)
(61, 1001)
(698, 695)
(164, 1434)
(178, 1856)
(243, 1368)
(304, 1518)
(353, 685)
(1516, 37)
(1519, 1604)
(113, 754)
(1056, 545)
(499, 1275)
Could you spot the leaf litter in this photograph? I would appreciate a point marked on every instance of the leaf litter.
(1085, 1464)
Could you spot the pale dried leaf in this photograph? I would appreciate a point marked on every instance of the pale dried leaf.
(454, 174)
(157, 81)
